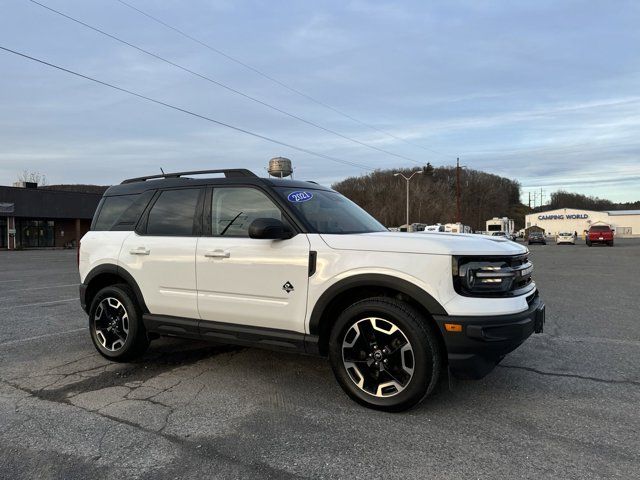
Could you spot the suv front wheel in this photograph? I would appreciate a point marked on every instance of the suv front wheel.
(115, 323)
(384, 354)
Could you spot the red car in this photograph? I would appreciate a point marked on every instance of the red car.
(600, 234)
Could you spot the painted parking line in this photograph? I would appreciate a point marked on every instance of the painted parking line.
(38, 337)
(75, 299)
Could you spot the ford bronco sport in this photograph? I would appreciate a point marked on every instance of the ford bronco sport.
(296, 266)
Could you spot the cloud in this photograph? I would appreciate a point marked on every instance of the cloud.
(544, 92)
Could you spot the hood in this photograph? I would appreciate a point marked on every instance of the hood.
(437, 243)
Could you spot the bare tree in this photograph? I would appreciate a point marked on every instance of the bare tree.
(33, 177)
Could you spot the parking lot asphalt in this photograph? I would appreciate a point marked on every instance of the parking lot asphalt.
(566, 404)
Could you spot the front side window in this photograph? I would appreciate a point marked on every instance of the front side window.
(174, 213)
(330, 212)
(233, 210)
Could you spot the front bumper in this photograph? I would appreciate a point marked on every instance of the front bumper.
(483, 341)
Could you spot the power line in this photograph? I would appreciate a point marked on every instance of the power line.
(220, 84)
(278, 82)
(188, 112)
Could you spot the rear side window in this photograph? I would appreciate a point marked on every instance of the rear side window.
(121, 212)
(174, 213)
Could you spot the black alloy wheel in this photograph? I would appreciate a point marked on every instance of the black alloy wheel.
(115, 324)
(385, 354)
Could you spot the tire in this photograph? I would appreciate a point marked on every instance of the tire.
(365, 333)
(588, 243)
(611, 243)
(115, 324)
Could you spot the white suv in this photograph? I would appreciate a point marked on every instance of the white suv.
(296, 266)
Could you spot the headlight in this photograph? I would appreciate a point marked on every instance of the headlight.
(491, 277)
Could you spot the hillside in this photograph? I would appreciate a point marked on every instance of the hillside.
(433, 197)
(563, 199)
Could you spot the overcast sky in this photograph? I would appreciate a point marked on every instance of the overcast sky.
(545, 92)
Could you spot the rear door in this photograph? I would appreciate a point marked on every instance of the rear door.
(160, 254)
(249, 281)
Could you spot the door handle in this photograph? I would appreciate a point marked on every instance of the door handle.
(140, 251)
(217, 254)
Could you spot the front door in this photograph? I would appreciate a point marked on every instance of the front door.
(249, 281)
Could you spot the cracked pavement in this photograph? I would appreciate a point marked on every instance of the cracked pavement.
(564, 405)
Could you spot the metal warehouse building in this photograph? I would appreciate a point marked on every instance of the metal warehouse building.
(32, 217)
(625, 223)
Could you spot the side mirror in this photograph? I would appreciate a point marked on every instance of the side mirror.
(269, 228)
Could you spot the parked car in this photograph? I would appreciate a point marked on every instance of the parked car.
(510, 236)
(600, 234)
(566, 237)
(296, 266)
(536, 237)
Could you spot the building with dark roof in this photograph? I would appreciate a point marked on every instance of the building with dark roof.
(32, 217)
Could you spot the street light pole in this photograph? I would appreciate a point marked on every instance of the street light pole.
(398, 174)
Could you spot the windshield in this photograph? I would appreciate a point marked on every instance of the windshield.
(329, 212)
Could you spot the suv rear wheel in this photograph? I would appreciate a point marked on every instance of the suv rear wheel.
(385, 354)
(115, 323)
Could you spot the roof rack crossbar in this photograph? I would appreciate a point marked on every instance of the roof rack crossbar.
(229, 172)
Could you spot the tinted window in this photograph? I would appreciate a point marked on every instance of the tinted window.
(121, 212)
(233, 210)
(599, 228)
(330, 212)
(174, 213)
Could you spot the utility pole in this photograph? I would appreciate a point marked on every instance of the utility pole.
(529, 199)
(541, 197)
(398, 174)
(458, 190)
(458, 168)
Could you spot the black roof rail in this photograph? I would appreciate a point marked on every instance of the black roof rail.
(228, 172)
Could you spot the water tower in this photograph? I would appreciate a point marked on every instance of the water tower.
(280, 167)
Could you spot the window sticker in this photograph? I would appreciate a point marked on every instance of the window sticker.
(299, 197)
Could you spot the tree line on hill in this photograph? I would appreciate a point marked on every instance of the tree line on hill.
(432, 196)
(563, 199)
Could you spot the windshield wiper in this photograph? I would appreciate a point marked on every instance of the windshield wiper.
(229, 224)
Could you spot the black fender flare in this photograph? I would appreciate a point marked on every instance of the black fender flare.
(372, 280)
(112, 269)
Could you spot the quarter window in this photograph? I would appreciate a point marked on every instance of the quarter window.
(233, 210)
(174, 213)
(121, 212)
